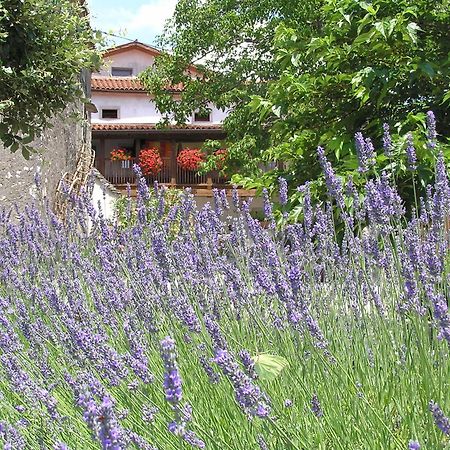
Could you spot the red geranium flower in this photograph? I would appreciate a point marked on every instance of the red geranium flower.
(150, 161)
(221, 156)
(120, 154)
(190, 158)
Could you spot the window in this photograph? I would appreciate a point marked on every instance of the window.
(121, 72)
(110, 113)
(202, 117)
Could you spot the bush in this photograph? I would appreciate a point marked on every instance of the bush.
(44, 46)
(227, 335)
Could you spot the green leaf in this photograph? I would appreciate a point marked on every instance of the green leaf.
(379, 26)
(364, 38)
(446, 97)
(26, 153)
(368, 7)
(268, 367)
(427, 68)
(412, 29)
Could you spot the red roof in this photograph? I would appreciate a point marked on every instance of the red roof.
(122, 84)
(150, 126)
(136, 45)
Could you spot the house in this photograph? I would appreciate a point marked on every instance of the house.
(127, 118)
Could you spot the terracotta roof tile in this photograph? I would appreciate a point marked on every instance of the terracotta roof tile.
(149, 126)
(122, 84)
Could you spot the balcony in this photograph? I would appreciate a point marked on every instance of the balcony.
(120, 173)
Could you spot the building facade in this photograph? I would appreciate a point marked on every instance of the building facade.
(127, 118)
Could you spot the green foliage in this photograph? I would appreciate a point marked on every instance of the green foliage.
(299, 74)
(157, 207)
(44, 45)
(236, 60)
(367, 64)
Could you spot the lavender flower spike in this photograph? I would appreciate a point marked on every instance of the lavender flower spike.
(413, 445)
(172, 379)
(315, 406)
(333, 182)
(365, 152)
(248, 395)
(431, 130)
(267, 205)
(441, 421)
(387, 141)
(61, 446)
(283, 189)
(411, 153)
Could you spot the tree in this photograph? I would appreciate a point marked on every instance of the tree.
(231, 44)
(44, 45)
(370, 63)
(298, 74)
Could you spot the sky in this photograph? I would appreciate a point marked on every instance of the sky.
(135, 19)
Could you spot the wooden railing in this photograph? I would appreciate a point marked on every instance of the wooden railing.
(121, 173)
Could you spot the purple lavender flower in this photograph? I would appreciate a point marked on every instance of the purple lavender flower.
(283, 190)
(365, 152)
(12, 438)
(213, 329)
(333, 182)
(262, 442)
(235, 196)
(431, 130)
(172, 379)
(441, 421)
(413, 445)
(248, 363)
(213, 376)
(248, 395)
(411, 153)
(192, 439)
(111, 434)
(440, 199)
(148, 413)
(387, 141)
(316, 407)
(172, 387)
(383, 202)
(268, 214)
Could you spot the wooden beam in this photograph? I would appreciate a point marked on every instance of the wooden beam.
(101, 156)
(173, 163)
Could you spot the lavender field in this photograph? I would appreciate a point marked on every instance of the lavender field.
(204, 329)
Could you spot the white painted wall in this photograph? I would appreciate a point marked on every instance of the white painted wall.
(133, 108)
(136, 59)
(138, 108)
(104, 199)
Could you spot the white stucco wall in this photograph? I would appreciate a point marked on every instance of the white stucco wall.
(135, 59)
(104, 197)
(138, 108)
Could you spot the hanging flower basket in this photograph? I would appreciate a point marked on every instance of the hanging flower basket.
(150, 161)
(190, 159)
(220, 158)
(120, 154)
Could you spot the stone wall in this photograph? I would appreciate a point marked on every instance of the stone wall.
(57, 152)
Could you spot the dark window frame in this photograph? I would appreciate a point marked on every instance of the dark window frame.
(123, 69)
(202, 117)
(110, 116)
